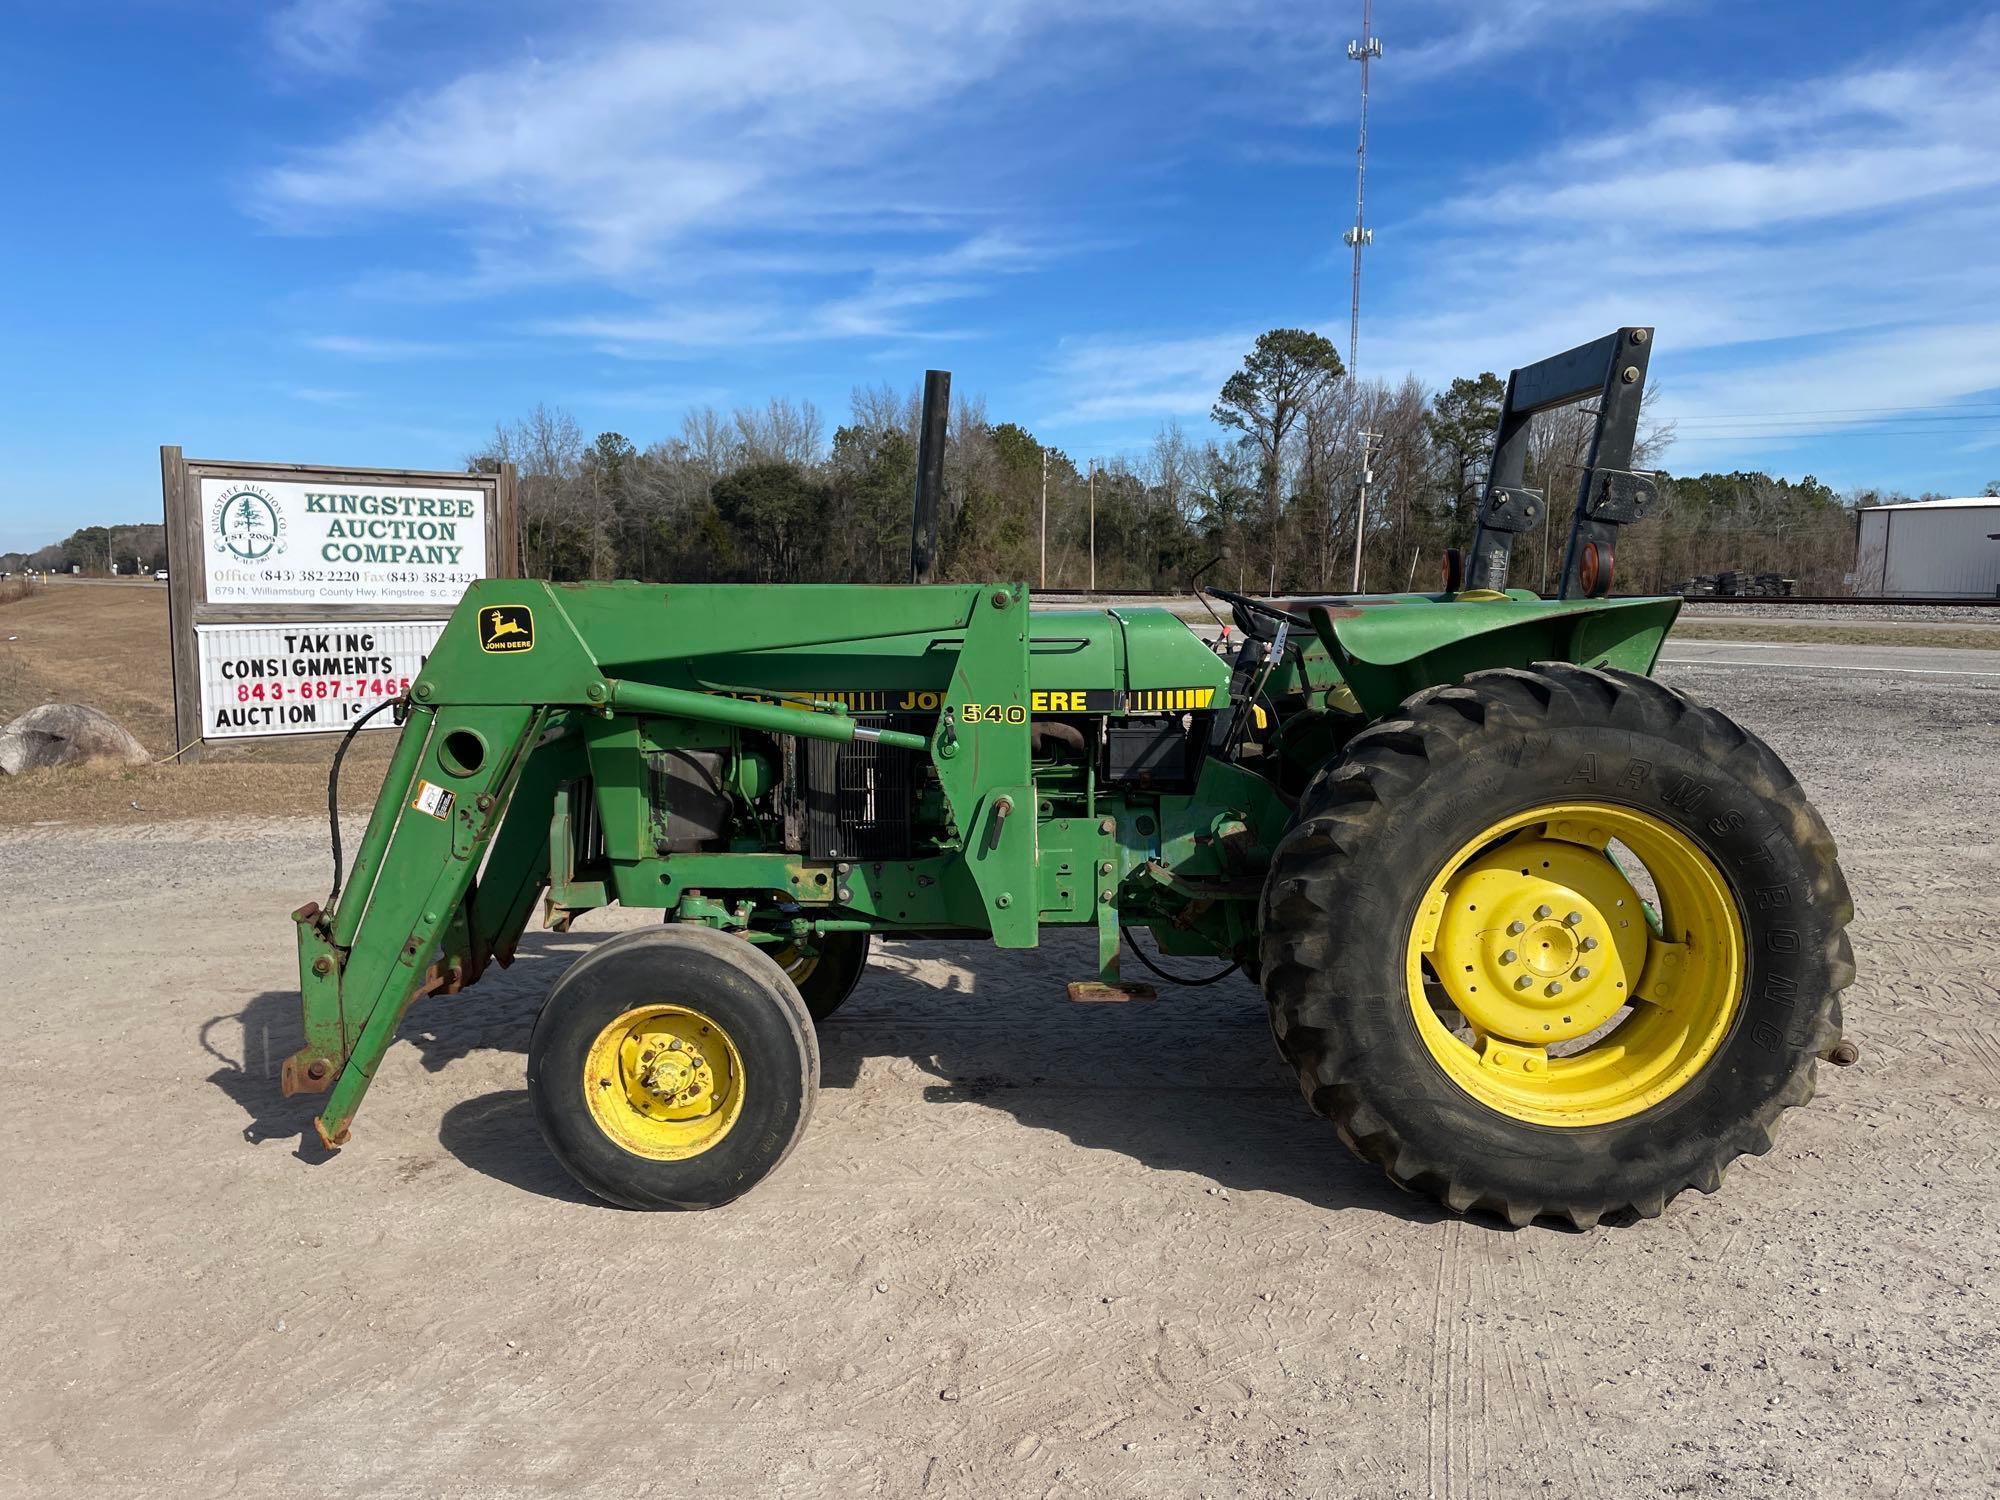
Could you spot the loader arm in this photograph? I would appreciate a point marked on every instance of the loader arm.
(526, 679)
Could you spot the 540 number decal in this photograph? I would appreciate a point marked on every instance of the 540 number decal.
(993, 713)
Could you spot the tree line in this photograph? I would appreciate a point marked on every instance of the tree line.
(766, 494)
(139, 547)
(763, 494)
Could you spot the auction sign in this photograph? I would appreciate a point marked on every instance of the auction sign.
(300, 598)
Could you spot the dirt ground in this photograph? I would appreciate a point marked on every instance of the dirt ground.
(1026, 1248)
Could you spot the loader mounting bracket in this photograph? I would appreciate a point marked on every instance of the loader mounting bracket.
(1611, 371)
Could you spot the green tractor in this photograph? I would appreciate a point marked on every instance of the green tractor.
(1538, 935)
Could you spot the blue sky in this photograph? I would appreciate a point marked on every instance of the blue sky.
(362, 232)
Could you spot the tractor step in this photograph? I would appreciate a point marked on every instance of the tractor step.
(1094, 992)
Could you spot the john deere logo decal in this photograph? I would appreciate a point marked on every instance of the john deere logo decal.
(246, 524)
(506, 627)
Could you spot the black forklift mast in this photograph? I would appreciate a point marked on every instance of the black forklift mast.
(1613, 370)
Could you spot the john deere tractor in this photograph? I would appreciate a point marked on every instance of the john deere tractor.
(1538, 935)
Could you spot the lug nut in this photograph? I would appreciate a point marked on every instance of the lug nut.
(1555, 987)
(1515, 929)
(1509, 956)
(1523, 982)
(1588, 944)
(1543, 913)
(1580, 973)
(1574, 919)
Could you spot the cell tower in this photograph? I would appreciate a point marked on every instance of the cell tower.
(1360, 235)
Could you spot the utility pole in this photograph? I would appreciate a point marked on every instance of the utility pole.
(1093, 526)
(1368, 442)
(1045, 520)
(1360, 235)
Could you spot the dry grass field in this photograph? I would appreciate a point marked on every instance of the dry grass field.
(104, 643)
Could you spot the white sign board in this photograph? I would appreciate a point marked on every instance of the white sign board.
(283, 542)
(305, 679)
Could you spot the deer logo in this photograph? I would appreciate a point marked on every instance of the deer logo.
(507, 627)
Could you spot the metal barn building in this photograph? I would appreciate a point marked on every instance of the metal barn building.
(1930, 549)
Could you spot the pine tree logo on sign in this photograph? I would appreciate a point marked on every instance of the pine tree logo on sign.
(247, 525)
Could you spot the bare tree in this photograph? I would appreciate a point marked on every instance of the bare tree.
(710, 442)
(784, 432)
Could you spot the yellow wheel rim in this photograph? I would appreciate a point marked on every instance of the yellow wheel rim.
(1539, 984)
(664, 1082)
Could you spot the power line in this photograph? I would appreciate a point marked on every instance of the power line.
(1707, 434)
(1825, 411)
(1854, 422)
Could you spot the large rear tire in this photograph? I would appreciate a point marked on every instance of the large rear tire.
(1489, 1005)
(673, 1067)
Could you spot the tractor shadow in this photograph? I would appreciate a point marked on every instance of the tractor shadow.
(1187, 1084)
(250, 1046)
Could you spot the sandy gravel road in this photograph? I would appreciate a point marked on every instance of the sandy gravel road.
(1026, 1249)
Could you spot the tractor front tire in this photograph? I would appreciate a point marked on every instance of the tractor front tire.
(1555, 942)
(673, 1067)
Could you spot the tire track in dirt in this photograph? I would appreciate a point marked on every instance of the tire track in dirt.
(1438, 1408)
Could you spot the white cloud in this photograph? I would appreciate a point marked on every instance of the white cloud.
(353, 346)
(1816, 247)
(1472, 32)
(325, 36)
(1822, 244)
(643, 147)
(882, 305)
(1861, 142)
(604, 154)
(1110, 379)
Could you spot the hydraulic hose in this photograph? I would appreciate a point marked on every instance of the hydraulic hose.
(333, 792)
(1193, 984)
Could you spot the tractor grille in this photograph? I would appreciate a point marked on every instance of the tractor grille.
(860, 798)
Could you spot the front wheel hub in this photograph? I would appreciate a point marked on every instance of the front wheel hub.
(664, 1081)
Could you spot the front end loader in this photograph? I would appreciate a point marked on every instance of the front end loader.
(1538, 935)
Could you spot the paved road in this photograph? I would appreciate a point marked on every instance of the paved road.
(1921, 661)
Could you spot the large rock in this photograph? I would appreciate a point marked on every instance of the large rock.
(66, 734)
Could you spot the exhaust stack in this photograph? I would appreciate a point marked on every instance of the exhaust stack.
(930, 477)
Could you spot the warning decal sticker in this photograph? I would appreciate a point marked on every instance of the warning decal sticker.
(433, 799)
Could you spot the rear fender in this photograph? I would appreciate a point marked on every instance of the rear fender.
(1391, 649)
